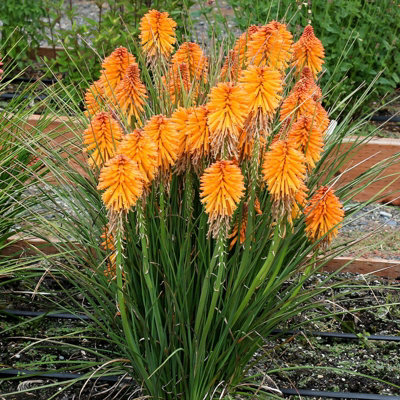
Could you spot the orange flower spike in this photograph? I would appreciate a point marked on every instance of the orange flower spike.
(279, 48)
(163, 133)
(236, 234)
(284, 171)
(180, 119)
(300, 201)
(130, 94)
(235, 60)
(123, 183)
(241, 44)
(231, 69)
(308, 51)
(94, 98)
(114, 68)
(323, 215)
(270, 45)
(246, 145)
(102, 136)
(140, 148)
(179, 82)
(306, 74)
(157, 34)
(262, 86)
(198, 133)
(306, 136)
(221, 188)
(321, 117)
(241, 235)
(299, 101)
(228, 107)
(257, 206)
(192, 55)
(306, 94)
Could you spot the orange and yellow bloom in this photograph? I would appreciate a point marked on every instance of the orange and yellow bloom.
(163, 133)
(221, 188)
(157, 34)
(140, 148)
(114, 68)
(307, 136)
(198, 133)
(308, 51)
(94, 98)
(263, 86)
(270, 45)
(179, 83)
(300, 100)
(130, 94)
(323, 215)
(192, 55)
(228, 110)
(284, 172)
(101, 138)
(123, 183)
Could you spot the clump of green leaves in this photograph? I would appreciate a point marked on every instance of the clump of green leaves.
(22, 28)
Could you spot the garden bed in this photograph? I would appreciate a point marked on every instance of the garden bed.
(377, 359)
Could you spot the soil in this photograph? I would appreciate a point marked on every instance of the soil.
(372, 308)
(379, 224)
(378, 359)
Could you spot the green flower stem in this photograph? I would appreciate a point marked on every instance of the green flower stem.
(258, 280)
(250, 213)
(304, 276)
(147, 271)
(220, 255)
(126, 323)
(163, 218)
(206, 285)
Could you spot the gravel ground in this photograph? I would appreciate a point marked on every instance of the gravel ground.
(84, 9)
(381, 223)
(203, 15)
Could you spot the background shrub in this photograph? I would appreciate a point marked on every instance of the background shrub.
(370, 27)
(116, 24)
(21, 28)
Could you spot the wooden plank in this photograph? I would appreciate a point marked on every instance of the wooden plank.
(373, 266)
(366, 156)
(45, 51)
(375, 151)
(30, 246)
(378, 267)
(63, 132)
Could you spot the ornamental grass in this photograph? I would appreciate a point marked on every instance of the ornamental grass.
(204, 205)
